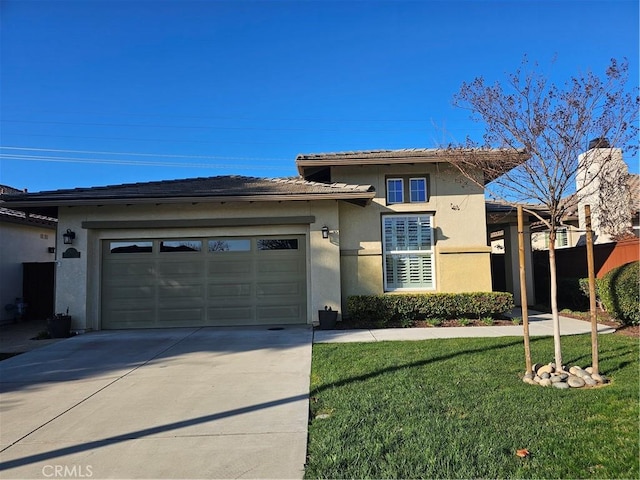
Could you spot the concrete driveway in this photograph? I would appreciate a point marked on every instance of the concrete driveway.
(174, 403)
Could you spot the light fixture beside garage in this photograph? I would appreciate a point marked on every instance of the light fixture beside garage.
(325, 232)
(68, 237)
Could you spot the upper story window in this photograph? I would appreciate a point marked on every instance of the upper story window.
(418, 189)
(407, 189)
(395, 190)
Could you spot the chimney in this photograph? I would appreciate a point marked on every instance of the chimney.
(600, 142)
(601, 182)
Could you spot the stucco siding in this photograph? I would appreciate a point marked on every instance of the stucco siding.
(464, 272)
(462, 257)
(79, 279)
(18, 244)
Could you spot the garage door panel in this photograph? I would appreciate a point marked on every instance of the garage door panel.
(279, 314)
(181, 268)
(229, 267)
(232, 293)
(255, 281)
(230, 315)
(175, 317)
(134, 293)
(280, 266)
(181, 291)
(279, 289)
(131, 318)
(131, 268)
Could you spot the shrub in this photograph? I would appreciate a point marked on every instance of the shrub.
(571, 293)
(488, 321)
(619, 292)
(434, 322)
(404, 309)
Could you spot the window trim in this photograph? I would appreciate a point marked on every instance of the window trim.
(406, 188)
(430, 252)
(388, 180)
(426, 196)
(562, 238)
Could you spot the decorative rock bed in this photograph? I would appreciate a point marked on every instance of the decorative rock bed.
(563, 378)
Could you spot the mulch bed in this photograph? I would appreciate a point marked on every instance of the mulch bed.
(349, 325)
(603, 319)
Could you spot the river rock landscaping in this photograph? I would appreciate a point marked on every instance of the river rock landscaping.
(573, 377)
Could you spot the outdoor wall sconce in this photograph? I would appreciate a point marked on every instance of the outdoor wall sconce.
(325, 232)
(68, 237)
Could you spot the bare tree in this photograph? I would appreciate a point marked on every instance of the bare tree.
(552, 125)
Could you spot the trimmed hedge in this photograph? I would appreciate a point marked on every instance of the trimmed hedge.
(404, 309)
(619, 292)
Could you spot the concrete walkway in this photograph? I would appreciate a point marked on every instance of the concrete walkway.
(540, 324)
(172, 403)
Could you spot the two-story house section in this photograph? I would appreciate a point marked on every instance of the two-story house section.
(425, 230)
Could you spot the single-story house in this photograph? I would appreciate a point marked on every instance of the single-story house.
(232, 250)
(26, 241)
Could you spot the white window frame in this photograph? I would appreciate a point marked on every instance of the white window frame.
(562, 238)
(395, 202)
(426, 251)
(426, 193)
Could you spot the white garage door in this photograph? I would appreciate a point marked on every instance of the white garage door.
(203, 281)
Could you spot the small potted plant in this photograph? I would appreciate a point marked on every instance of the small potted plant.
(59, 326)
(327, 318)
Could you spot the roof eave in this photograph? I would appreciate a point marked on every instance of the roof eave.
(401, 157)
(23, 205)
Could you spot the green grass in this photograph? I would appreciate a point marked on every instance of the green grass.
(457, 408)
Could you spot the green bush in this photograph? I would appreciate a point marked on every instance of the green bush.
(619, 292)
(571, 294)
(404, 309)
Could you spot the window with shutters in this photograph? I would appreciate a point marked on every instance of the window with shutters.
(408, 252)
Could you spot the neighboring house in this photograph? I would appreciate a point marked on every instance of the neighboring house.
(615, 194)
(614, 198)
(23, 239)
(244, 251)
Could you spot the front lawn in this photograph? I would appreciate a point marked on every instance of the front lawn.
(457, 408)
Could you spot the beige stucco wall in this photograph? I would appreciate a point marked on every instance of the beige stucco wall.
(78, 280)
(462, 257)
(18, 244)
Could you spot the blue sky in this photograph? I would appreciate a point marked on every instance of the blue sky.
(107, 92)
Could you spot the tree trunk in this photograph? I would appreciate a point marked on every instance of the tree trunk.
(553, 280)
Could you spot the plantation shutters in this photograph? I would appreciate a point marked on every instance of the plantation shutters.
(408, 252)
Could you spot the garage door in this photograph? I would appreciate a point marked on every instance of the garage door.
(203, 282)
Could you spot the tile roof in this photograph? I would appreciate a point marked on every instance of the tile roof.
(309, 163)
(402, 152)
(425, 153)
(221, 188)
(15, 216)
